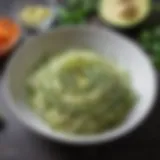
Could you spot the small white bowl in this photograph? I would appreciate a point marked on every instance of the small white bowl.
(18, 6)
(104, 41)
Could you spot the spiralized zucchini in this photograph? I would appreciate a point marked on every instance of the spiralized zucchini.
(80, 92)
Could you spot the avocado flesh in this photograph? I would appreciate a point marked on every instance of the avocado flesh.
(122, 14)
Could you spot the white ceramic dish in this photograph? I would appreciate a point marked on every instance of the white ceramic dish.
(44, 25)
(104, 41)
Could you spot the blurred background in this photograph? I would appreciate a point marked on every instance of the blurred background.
(18, 143)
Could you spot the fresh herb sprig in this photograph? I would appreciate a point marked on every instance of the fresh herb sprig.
(76, 11)
(150, 40)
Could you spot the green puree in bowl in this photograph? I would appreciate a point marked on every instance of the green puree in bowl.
(80, 92)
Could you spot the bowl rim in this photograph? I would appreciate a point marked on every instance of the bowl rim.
(81, 140)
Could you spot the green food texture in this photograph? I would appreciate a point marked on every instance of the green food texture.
(150, 40)
(80, 92)
(124, 13)
(76, 11)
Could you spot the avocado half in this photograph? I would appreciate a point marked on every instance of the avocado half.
(124, 13)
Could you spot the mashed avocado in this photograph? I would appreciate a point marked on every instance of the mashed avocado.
(80, 92)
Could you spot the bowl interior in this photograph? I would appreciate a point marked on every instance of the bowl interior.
(105, 42)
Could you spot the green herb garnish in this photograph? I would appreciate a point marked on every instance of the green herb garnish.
(150, 40)
(76, 11)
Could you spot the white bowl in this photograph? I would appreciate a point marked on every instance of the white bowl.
(104, 41)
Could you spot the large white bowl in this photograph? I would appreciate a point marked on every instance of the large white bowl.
(104, 41)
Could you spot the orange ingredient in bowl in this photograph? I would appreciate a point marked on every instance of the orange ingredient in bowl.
(9, 34)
